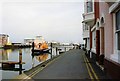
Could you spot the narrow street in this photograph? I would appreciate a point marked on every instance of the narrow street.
(60, 39)
(70, 65)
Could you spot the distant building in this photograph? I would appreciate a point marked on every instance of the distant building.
(4, 39)
(28, 41)
(40, 43)
(39, 39)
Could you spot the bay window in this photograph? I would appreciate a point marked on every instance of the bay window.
(118, 29)
(89, 6)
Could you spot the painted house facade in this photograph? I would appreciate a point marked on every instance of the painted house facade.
(104, 36)
(88, 20)
(112, 39)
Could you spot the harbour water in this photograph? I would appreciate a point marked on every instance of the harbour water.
(30, 61)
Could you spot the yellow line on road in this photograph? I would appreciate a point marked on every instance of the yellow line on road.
(40, 69)
(91, 77)
(30, 76)
(96, 77)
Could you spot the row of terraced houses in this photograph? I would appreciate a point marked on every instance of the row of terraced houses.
(101, 33)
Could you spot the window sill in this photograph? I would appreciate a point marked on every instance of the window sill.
(115, 57)
(88, 13)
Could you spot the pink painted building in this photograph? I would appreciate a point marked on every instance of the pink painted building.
(105, 36)
(111, 13)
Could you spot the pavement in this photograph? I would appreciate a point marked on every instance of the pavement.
(72, 64)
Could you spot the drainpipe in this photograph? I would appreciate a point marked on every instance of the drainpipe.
(97, 44)
(90, 43)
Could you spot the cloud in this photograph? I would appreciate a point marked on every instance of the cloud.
(51, 20)
(42, 0)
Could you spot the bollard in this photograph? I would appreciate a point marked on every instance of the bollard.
(20, 56)
(32, 59)
(20, 61)
(33, 48)
(90, 55)
(51, 50)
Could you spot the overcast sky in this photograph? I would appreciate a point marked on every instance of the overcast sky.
(58, 20)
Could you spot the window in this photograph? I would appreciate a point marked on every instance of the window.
(94, 39)
(89, 6)
(118, 40)
(102, 20)
(118, 29)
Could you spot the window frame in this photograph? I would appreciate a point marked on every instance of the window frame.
(89, 5)
(94, 39)
(117, 30)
